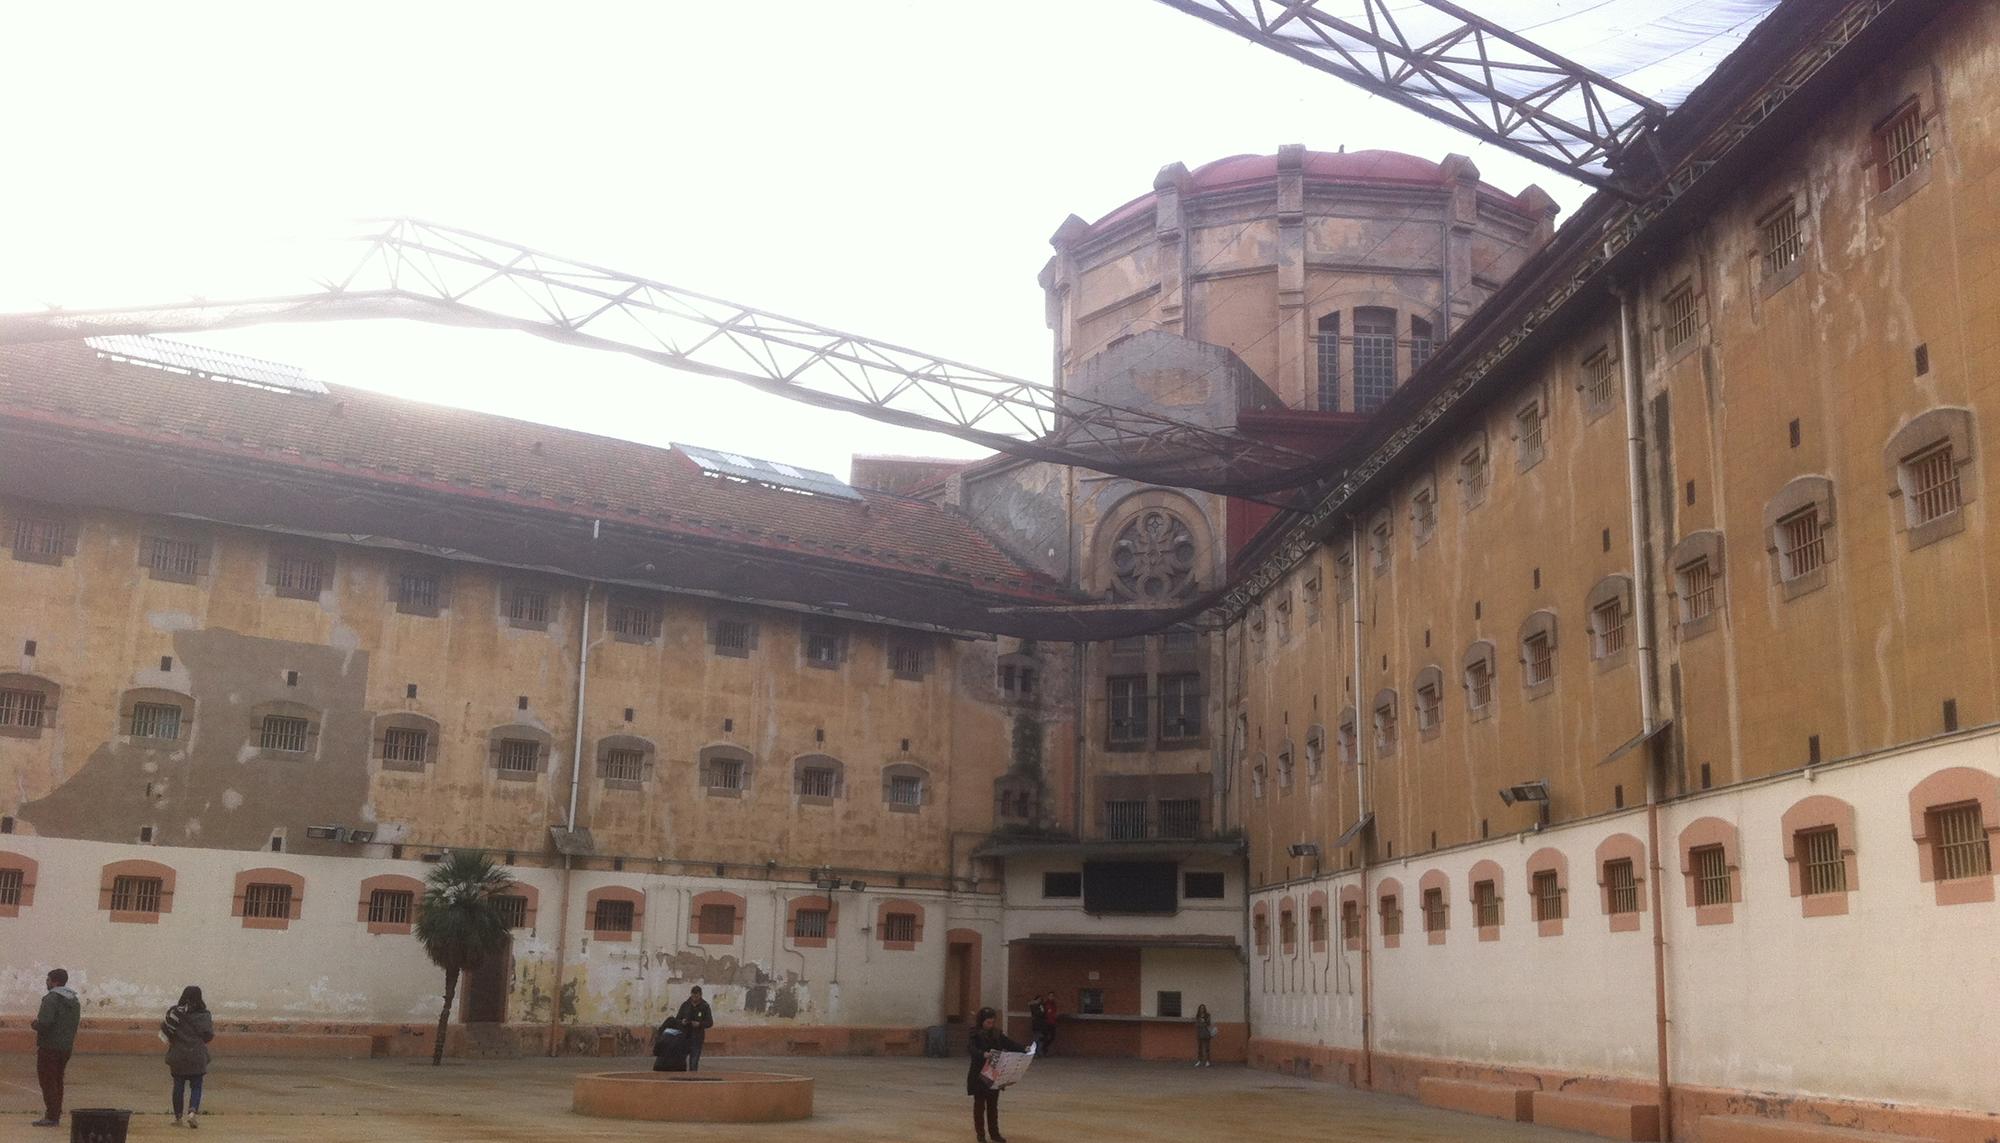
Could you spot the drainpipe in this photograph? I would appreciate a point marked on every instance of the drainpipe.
(1076, 794)
(569, 823)
(1642, 591)
(1360, 811)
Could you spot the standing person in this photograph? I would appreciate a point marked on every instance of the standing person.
(696, 1019)
(187, 1029)
(55, 1038)
(986, 1037)
(1038, 1024)
(1047, 1039)
(670, 1046)
(1204, 1031)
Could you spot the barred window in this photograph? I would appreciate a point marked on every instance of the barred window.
(40, 539)
(1541, 659)
(1472, 474)
(1429, 705)
(1961, 847)
(1327, 356)
(268, 901)
(1350, 922)
(1346, 740)
(1528, 432)
(299, 575)
(136, 894)
(1380, 546)
(1821, 868)
(1711, 875)
(1598, 382)
(173, 559)
(391, 906)
(1374, 357)
(1177, 640)
(732, 637)
(1392, 916)
(1780, 239)
(1697, 589)
(527, 605)
(1933, 483)
(520, 755)
(1435, 911)
(1548, 896)
(634, 619)
(1906, 145)
(1125, 709)
(1180, 707)
(1804, 540)
(1385, 727)
(1125, 820)
(282, 732)
(512, 909)
(615, 916)
(1679, 316)
(156, 720)
(809, 924)
(725, 774)
(1180, 818)
(818, 782)
(822, 648)
(716, 921)
(1621, 886)
(906, 661)
(1486, 903)
(900, 928)
(1608, 625)
(1423, 513)
(625, 765)
(405, 744)
(1479, 683)
(904, 790)
(418, 592)
(12, 882)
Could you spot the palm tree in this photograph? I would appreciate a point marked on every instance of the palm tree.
(459, 925)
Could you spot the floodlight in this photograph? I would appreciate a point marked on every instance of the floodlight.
(324, 832)
(1535, 791)
(360, 836)
(1304, 849)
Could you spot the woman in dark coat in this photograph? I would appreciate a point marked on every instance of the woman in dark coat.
(670, 1046)
(187, 1029)
(986, 1037)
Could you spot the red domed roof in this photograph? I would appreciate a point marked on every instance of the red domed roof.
(1378, 167)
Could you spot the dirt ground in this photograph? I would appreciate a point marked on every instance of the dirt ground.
(1061, 1101)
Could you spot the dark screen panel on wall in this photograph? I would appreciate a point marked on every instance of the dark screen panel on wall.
(1130, 886)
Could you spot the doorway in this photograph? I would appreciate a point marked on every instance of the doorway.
(486, 988)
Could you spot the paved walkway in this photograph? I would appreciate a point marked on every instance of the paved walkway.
(1064, 1100)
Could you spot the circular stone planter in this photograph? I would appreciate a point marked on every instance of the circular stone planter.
(695, 1097)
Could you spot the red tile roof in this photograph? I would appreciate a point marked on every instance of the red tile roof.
(455, 453)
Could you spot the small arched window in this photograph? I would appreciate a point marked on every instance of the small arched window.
(906, 787)
(1609, 608)
(1538, 653)
(152, 717)
(1429, 693)
(624, 761)
(1798, 533)
(818, 779)
(27, 705)
(1385, 722)
(284, 731)
(1698, 587)
(1929, 462)
(1315, 752)
(518, 752)
(725, 771)
(406, 741)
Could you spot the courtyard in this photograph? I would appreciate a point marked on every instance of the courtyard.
(873, 1099)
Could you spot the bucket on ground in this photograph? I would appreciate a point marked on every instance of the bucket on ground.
(98, 1125)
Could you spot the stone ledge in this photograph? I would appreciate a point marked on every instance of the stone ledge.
(1497, 1101)
(1597, 1115)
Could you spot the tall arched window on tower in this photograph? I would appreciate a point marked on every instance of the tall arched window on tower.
(1328, 345)
(1374, 357)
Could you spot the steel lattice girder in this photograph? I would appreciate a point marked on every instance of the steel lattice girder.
(1474, 75)
(423, 271)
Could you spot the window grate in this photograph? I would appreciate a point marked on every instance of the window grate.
(1435, 916)
(1597, 381)
(418, 591)
(301, 576)
(1179, 639)
(12, 882)
(1541, 660)
(717, 921)
(1379, 546)
(1346, 743)
(1125, 821)
(1711, 876)
(1821, 869)
(1385, 727)
(818, 782)
(625, 764)
(1680, 313)
(1621, 885)
(1962, 849)
(1429, 704)
(1934, 480)
(1180, 707)
(1907, 143)
(613, 917)
(179, 559)
(512, 909)
(905, 790)
(1697, 589)
(1180, 818)
(1125, 709)
(1548, 896)
(273, 902)
(725, 774)
(1392, 917)
(519, 755)
(900, 928)
(1472, 472)
(1782, 239)
(283, 733)
(391, 906)
(1479, 683)
(527, 605)
(906, 662)
(1528, 425)
(822, 648)
(1486, 904)
(1609, 619)
(1374, 358)
(40, 540)
(1423, 511)
(405, 744)
(809, 924)
(1327, 358)
(156, 720)
(136, 894)
(732, 637)
(1805, 542)
(635, 620)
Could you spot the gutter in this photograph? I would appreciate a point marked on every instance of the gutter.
(1360, 815)
(569, 823)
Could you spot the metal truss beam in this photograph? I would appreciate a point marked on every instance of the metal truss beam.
(419, 270)
(1465, 71)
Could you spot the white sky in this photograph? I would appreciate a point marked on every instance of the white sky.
(889, 167)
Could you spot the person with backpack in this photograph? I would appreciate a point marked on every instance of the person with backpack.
(187, 1029)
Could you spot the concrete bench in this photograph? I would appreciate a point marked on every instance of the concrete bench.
(1500, 1101)
(1597, 1115)
(1749, 1129)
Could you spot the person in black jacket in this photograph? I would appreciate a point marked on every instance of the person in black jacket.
(670, 1046)
(986, 1037)
(696, 1019)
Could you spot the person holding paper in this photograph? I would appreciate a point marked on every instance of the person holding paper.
(986, 1037)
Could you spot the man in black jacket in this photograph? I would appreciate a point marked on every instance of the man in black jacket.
(696, 1019)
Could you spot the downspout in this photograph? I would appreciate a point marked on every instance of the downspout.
(1363, 837)
(1076, 767)
(1642, 591)
(569, 823)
